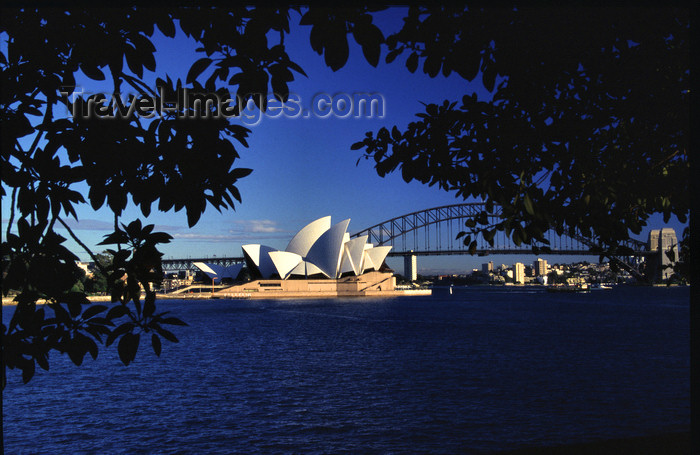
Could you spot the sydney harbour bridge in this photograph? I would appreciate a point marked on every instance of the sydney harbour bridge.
(433, 232)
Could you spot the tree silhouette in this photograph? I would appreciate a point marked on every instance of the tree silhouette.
(182, 158)
(587, 128)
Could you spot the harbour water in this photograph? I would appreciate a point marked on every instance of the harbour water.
(474, 371)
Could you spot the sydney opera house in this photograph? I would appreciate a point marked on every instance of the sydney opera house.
(321, 260)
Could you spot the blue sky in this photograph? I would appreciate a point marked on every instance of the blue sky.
(303, 168)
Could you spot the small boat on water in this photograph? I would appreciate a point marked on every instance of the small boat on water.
(599, 287)
(568, 288)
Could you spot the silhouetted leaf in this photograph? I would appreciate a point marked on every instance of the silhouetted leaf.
(431, 66)
(121, 330)
(391, 56)
(168, 335)
(173, 321)
(155, 342)
(357, 145)
(528, 204)
(117, 312)
(166, 27)
(28, 371)
(93, 72)
(337, 50)
(76, 351)
(239, 173)
(197, 68)
(128, 345)
(92, 311)
(88, 344)
(412, 62)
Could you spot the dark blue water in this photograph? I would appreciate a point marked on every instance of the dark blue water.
(480, 370)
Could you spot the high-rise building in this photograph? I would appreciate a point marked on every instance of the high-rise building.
(540, 267)
(664, 241)
(519, 272)
(487, 268)
(410, 267)
(654, 239)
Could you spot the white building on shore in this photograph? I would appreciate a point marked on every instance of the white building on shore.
(321, 260)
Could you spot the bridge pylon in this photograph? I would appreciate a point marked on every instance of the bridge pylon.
(410, 266)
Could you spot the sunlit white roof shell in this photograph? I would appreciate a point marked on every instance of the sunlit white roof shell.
(299, 270)
(311, 269)
(206, 268)
(345, 262)
(259, 256)
(353, 254)
(301, 243)
(367, 263)
(284, 262)
(216, 271)
(377, 255)
(326, 252)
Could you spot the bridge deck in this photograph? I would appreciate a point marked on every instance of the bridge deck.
(433, 232)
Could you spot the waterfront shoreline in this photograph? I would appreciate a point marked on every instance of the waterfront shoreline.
(8, 301)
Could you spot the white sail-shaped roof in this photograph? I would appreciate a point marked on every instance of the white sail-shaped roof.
(252, 252)
(301, 243)
(299, 270)
(326, 252)
(232, 271)
(285, 262)
(367, 263)
(312, 269)
(354, 252)
(211, 273)
(318, 248)
(305, 268)
(260, 258)
(217, 271)
(377, 255)
(345, 262)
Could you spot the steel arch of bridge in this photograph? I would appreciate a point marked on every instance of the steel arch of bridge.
(436, 228)
(439, 226)
(385, 233)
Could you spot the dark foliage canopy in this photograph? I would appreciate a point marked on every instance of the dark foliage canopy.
(587, 128)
